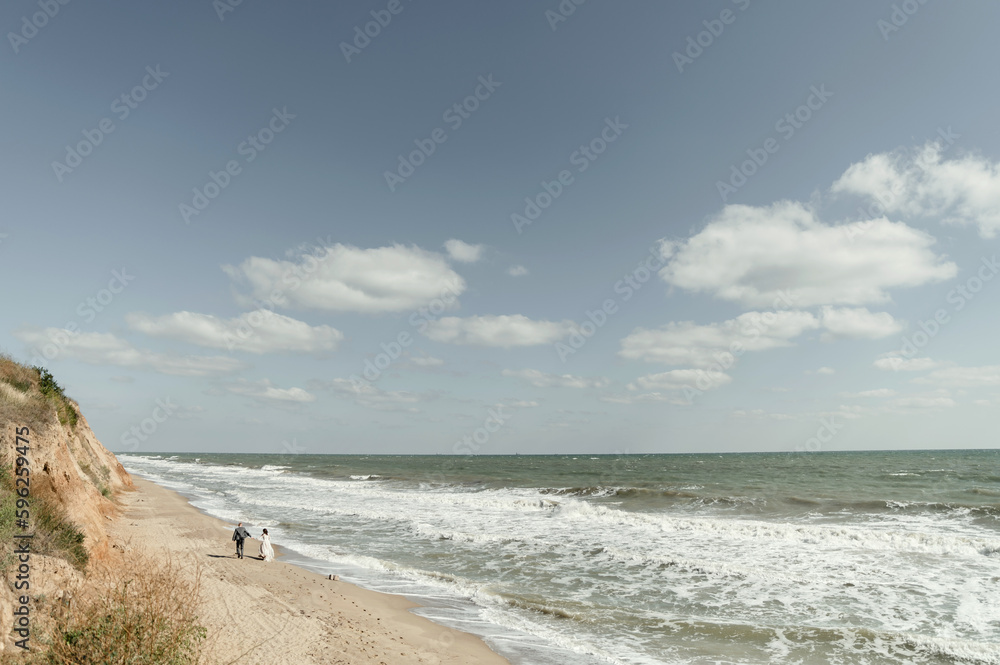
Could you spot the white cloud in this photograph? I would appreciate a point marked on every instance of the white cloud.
(898, 405)
(760, 256)
(963, 377)
(521, 404)
(761, 413)
(425, 361)
(188, 412)
(877, 392)
(678, 379)
(260, 331)
(896, 363)
(826, 370)
(923, 402)
(687, 343)
(503, 331)
(463, 252)
(542, 380)
(648, 398)
(857, 323)
(675, 387)
(517, 271)
(107, 349)
(965, 190)
(349, 279)
(368, 395)
(265, 390)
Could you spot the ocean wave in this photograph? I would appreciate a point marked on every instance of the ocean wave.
(370, 476)
(651, 573)
(750, 531)
(763, 505)
(817, 643)
(600, 491)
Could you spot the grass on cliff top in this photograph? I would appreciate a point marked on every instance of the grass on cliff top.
(29, 395)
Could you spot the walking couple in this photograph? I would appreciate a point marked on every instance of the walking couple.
(241, 534)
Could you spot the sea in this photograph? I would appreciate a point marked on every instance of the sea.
(708, 559)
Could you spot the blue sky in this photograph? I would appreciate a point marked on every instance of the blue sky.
(219, 217)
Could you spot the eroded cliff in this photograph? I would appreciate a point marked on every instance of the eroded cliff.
(73, 480)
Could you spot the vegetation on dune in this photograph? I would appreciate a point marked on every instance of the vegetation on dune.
(134, 610)
(29, 395)
(54, 533)
(138, 611)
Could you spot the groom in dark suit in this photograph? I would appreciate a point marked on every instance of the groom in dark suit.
(239, 536)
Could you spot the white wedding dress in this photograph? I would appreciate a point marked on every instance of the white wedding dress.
(266, 551)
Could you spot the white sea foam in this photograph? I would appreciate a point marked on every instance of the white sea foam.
(627, 586)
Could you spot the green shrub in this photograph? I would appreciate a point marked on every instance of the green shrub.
(48, 386)
(47, 383)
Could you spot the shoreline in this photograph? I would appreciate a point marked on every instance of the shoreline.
(279, 612)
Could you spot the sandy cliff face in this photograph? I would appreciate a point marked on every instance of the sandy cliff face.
(71, 468)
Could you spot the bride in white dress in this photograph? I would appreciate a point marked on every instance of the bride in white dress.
(266, 551)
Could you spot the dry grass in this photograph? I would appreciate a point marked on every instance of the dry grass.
(18, 375)
(21, 402)
(139, 611)
(29, 397)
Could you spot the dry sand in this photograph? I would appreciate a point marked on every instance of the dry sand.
(274, 613)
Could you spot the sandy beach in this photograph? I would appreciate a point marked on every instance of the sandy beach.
(275, 613)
